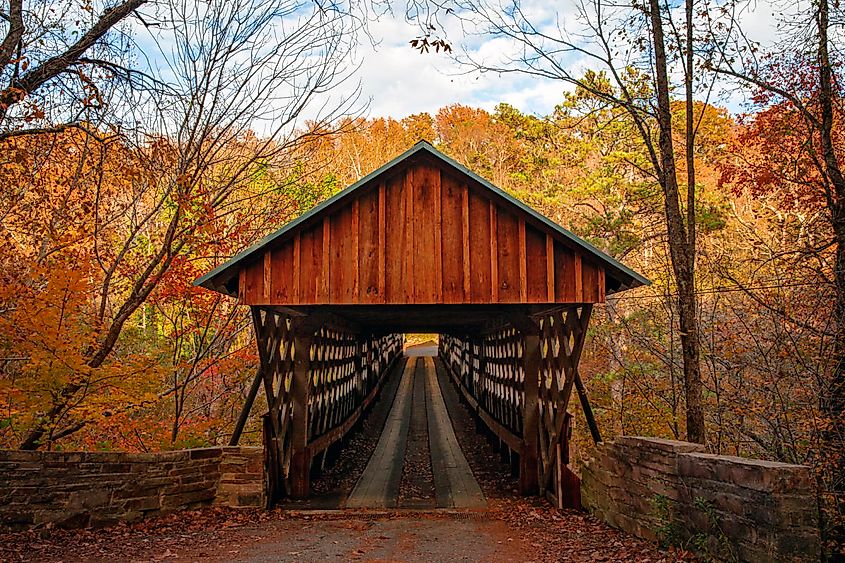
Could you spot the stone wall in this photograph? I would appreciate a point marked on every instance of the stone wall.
(77, 489)
(730, 508)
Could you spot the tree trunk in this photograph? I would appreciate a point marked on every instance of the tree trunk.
(832, 400)
(680, 249)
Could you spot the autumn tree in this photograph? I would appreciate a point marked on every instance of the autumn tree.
(60, 64)
(660, 45)
(189, 170)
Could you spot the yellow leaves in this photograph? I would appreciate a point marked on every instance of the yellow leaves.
(51, 323)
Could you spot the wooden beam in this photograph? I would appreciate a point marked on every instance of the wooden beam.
(528, 461)
(409, 230)
(297, 265)
(523, 262)
(579, 279)
(588, 410)
(465, 240)
(250, 399)
(325, 272)
(242, 286)
(522, 322)
(438, 238)
(268, 268)
(494, 254)
(550, 268)
(289, 311)
(382, 247)
(601, 285)
(308, 325)
(300, 467)
(356, 252)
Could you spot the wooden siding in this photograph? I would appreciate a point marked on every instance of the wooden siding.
(421, 235)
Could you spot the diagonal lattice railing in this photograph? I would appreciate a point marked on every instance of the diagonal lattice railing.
(317, 381)
(520, 385)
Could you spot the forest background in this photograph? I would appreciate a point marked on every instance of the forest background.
(122, 182)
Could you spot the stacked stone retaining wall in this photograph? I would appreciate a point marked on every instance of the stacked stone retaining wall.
(729, 508)
(78, 489)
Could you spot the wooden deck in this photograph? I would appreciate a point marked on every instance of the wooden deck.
(419, 405)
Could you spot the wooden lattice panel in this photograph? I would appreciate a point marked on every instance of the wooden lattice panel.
(561, 341)
(335, 380)
(276, 355)
(317, 382)
(493, 372)
(503, 378)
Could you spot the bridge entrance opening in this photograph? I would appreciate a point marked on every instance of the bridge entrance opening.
(421, 245)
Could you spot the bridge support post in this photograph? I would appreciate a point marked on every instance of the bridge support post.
(300, 465)
(528, 458)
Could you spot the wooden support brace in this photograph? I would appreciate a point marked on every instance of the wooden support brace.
(250, 399)
(300, 468)
(528, 459)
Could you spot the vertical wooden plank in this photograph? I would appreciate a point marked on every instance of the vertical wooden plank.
(267, 270)
(409, 232)
(369, 252)
(601, 285)
(579, 280)
(494, 254)
(465, 239)
(395, 249)
(523, 262)
(300, 467)
(425, 180)
(535, 260)
(507, 257)
(242, 286)
(282, 274)
(452, 240)
(528, 459)
(382, 248)
(480, 245)
(567, 275)
(356, 250)
(311, 260)
(297, 265)
(438, 238)
(344, 260)
(550, 268)
(558, 477)
(324, 271)
(590, 282)
(254, 283)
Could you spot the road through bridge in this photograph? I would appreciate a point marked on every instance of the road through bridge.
(421, 245)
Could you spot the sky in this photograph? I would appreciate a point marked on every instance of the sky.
(396, 80)
(399, 81)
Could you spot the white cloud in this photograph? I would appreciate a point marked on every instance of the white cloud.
(400, 81)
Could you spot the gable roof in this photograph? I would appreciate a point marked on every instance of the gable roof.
(627, 277)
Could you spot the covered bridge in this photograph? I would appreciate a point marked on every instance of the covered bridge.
(420, 245)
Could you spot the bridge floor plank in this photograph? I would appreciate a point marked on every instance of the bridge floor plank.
(454, 484)
(378, 486)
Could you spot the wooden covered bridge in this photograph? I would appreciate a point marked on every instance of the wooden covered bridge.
(420, 245)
